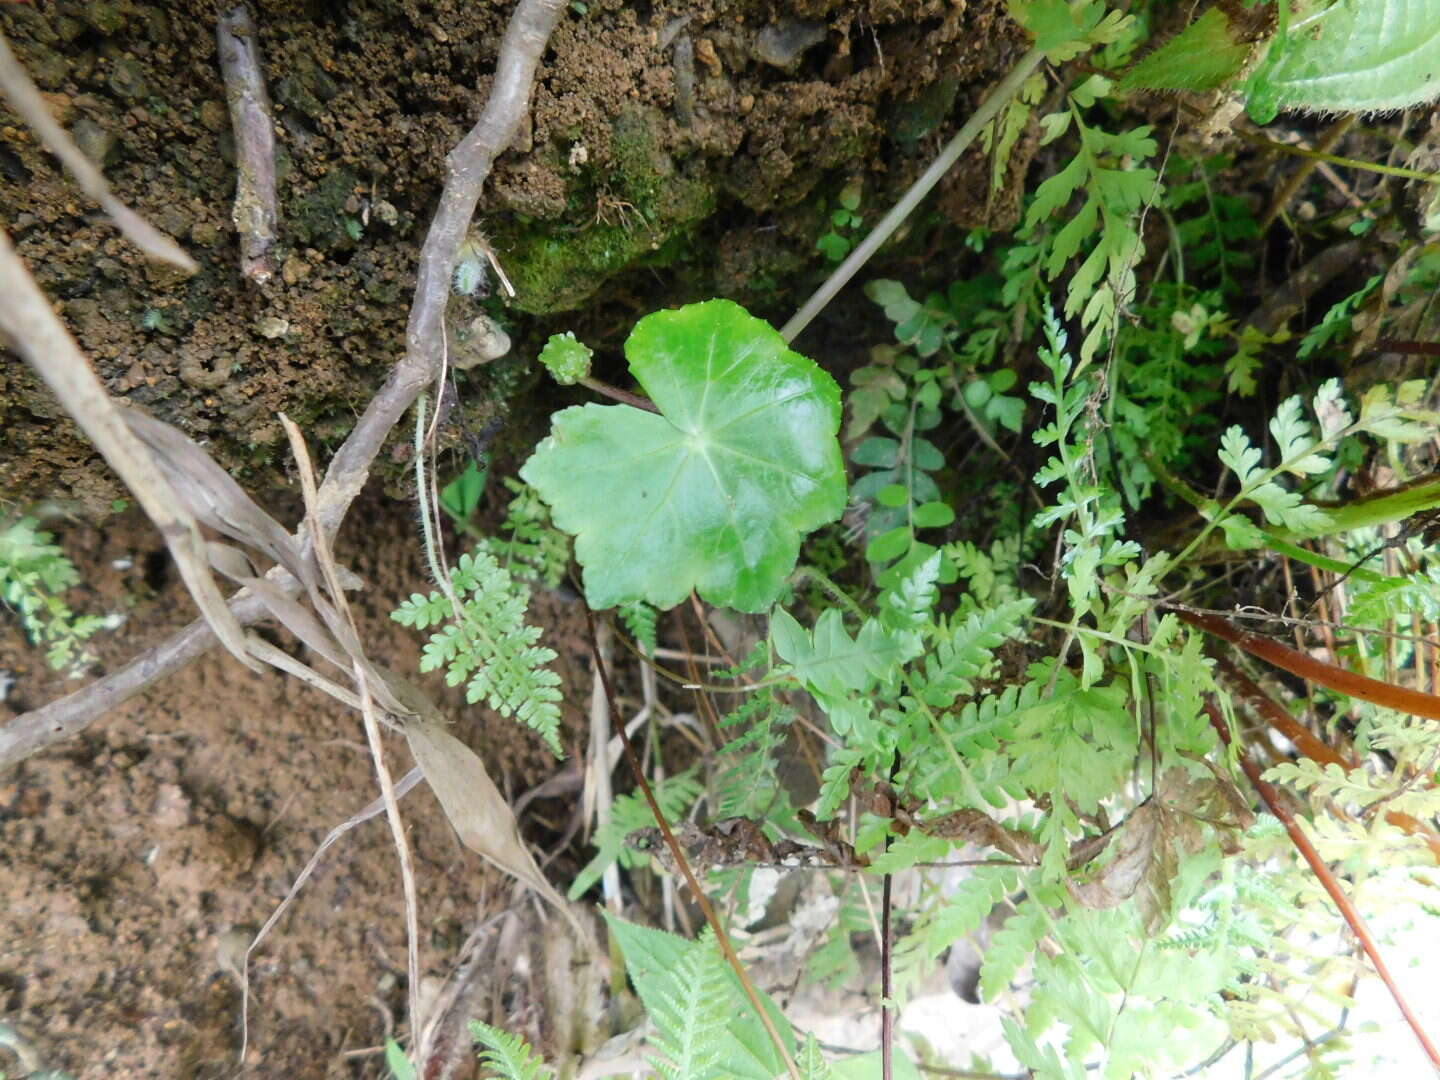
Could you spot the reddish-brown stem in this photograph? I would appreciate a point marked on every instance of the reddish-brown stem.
(1386, 695)
(721, 937)
(1312, 747)
(1347, 910)
(1305, 740)
(625, 397)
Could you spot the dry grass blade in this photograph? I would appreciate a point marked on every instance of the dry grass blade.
(343, 625)
(210, 494)
(481, 816)
(26, 100)
(42, 339)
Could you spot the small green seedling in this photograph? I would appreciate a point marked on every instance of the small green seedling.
(835, 243)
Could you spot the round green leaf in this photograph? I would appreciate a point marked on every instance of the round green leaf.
(714, 493)
(893, 495)
(933, 515)
(889, 545)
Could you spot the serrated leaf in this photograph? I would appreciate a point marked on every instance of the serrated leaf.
(715, 492)
(1351, 56)
(652, 958)
(566, 358)
(1203, 56)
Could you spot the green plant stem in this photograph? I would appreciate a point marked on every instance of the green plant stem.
(841, 275)
(803, 574)
(1336, 159)
(1273, 540)
(422, 493)
(721, 937)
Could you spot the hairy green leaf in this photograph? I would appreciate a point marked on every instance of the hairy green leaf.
(1350, 56)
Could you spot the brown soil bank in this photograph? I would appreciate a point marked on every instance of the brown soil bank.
(705, 140)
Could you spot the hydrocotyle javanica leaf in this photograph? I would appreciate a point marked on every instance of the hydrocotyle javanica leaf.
(715, 492)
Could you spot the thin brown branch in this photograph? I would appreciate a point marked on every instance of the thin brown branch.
(625, 397)
(26, 100)
(721, 937)
(1322, 872)
(256, 212)
(468, 167)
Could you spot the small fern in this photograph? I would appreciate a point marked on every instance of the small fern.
(690, 1020)
(641, 620)
(34, 572)
(509, 1055)
(488, 645)
(530, 545)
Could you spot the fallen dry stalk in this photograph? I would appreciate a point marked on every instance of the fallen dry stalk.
(40, 337)
(469, 166)
(26, 100)
(256, 212)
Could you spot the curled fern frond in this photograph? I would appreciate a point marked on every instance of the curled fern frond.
(488, 644)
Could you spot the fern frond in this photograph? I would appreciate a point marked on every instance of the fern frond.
(627, 814)
(811, 1061)
(960, 652)
(1011, 948)
(488, 645)
(691, 1022)
(509, 1055)
(641, 620)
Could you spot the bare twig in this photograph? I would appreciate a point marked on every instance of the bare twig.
(26, 100)
(469, 166)
(256, 212)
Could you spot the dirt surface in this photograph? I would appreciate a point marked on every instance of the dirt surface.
(137, 860)
(676, 151)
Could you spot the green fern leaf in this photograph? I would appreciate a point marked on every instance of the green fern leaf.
(959, 652)
(1011, 948)
(489, 646)
(509, 1055)
(627, 814)
(640, 619)
(812, 1063)
(1203, 56)
(690, 1020)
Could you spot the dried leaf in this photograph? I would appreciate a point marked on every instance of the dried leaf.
(974, 827)
(1145, 861)
(481, 816)
(210, 494)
